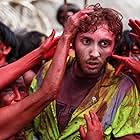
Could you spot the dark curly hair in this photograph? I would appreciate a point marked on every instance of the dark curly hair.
(103, 15)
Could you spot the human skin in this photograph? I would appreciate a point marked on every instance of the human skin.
(16, 116)
(21, 113)
(19, 67)
(94, 128)
(13, 94)
(84, 69)
(92, 50)
(129, 62)
(85, 52)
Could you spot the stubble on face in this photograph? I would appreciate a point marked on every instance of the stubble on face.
(103, 40)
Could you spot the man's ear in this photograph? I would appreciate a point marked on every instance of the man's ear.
(6, 50)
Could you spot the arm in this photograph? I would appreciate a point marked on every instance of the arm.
(14, 70)
(21, 113)
(16, 116)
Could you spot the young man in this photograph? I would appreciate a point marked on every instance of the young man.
(64, 11)
(89, 84)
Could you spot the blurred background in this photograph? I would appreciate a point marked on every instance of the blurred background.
(40, 15)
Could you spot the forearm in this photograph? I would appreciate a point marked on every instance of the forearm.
(14, 70)
(16, 116)
(57, 68)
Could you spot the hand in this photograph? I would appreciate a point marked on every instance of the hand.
(126, 61)
(49, 45)
(94, 128)
(135, 25)
(74, 21)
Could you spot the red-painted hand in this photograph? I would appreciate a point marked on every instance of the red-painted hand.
(49, 45)
(94, 128)
(128, 62)
(75, 20)
(135, 25)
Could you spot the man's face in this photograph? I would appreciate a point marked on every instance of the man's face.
(92, 49)
(13, 94)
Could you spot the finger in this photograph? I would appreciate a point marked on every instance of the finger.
(119, 58)
(48, 42)
(88, 122)
(133, 24)
(50, 53)
(82, 132)
(82, 12)
(119, 69)
(138, 22)
(50, 38)
(133, 35)
(85, 17)
(55, 41)
(95, 119)
(87, 11)
(94, 116)
(52, 34)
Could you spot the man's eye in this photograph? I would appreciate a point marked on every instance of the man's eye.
(104, 44)
(86, 41)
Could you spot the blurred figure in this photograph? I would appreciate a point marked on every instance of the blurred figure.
(64, 11)
(28, 42)
(131, 62)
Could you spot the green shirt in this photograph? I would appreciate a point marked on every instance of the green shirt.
(117, 107)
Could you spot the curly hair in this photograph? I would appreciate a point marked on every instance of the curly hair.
(103, 16)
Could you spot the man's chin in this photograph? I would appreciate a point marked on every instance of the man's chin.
(92, 73)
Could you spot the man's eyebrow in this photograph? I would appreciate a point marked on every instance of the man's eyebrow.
(86, 36)
(106, 39)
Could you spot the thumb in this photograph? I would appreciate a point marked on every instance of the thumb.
(120, 58)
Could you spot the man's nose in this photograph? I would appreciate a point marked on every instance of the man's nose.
(94, 52)
(17, 94)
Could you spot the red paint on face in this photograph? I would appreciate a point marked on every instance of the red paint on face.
(92, 49)
(13, 94)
